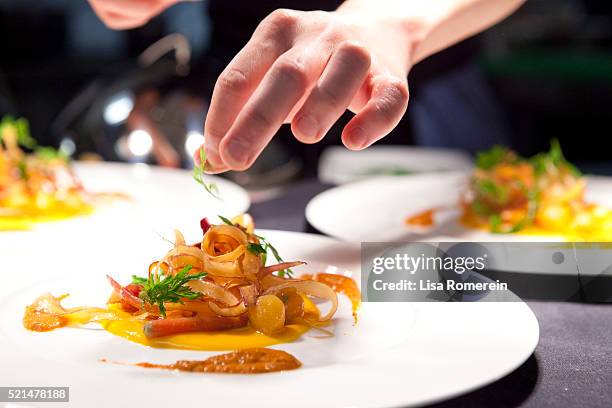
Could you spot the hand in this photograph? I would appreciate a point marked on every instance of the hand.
(307, 68)
(124, 14)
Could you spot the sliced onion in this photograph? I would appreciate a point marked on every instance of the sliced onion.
(311, 288)
(186, 250)
(228, 263)
(231, 311)
(213, 292)
(158, 268)
(272, 280)
(184, 255)
(245, 221)
(279, 267)
(249, 294)
(179, 239)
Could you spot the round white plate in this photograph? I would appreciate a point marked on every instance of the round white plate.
(157, 199)
(338, 165)
(158, 192)
(375, 209)
(399, 354)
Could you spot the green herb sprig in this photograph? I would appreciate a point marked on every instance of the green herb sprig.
(21, 127)
(490, 158)
(198, 175)
(156, 290)
(554, 158)
(267, 246)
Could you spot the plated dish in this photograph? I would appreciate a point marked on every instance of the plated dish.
(402, 350)
(38, 185)
(542, 195)
(505, 198)
(216, 294)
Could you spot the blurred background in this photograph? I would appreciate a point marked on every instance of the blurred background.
(141, 95)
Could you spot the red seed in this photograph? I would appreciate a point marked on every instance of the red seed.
(204, 225)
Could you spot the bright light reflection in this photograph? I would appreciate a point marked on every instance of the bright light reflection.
(118, 108)
(140, 142)
(193, 141)
(67, 146)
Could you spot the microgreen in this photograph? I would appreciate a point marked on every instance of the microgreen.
(198, 175)
(157, 290)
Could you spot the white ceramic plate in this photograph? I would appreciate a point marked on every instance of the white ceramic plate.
(338, 165)
(399, 354)
(157, 192)
(375, 209)
(159, 199)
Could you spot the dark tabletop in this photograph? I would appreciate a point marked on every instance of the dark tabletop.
(571, 366)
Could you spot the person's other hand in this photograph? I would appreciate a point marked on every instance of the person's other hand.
(307, 68)
(125, 14)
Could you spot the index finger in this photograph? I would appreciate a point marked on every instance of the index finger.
(239, 80)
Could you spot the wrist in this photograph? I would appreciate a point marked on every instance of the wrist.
(404, 32)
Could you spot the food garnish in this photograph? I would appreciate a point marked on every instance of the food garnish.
(36, 182)
(541, 195)
(341, 284)
(199, 169)
(158, 289)
(216, 294)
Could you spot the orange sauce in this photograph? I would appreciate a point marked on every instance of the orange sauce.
(422, 219)
(340, 284)
(42, 315)
(245, 361)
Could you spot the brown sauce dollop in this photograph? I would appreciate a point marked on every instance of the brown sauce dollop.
(246, 361)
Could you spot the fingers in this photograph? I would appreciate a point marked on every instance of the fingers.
(287, 81)
(341, 80)
(232, 90)
(126, 14)
(239, 80)
(383, 111)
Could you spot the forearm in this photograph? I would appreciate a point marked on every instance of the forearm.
(432, 25)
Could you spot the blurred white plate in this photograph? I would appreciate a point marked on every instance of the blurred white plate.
(156, 198)
(339, 165)
(375, 209)
(157, 192)
(399, 354)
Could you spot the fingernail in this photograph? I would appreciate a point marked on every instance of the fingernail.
(237, 151)
(214, 164)
(308, 127)
(212, 157)
(359, 138)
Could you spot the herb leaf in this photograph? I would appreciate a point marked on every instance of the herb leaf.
(265, 244)
(198, 175)
(226, 220)
(256, 248)
(49, 153)
(156, 290)
(138, 280)
(489, 158)
(262, 249)
(21, 127)
(554, 158)
(495, 221)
